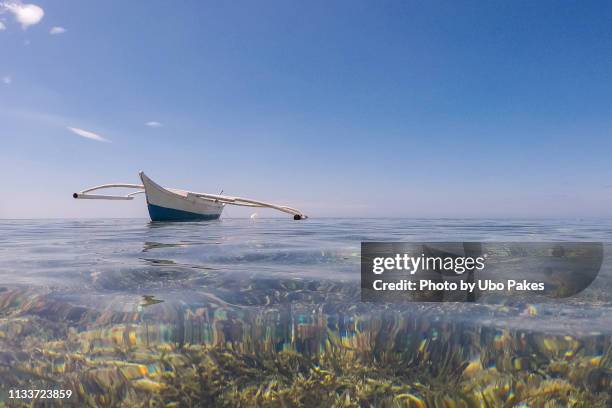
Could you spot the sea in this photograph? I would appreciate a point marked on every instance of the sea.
(268, 312)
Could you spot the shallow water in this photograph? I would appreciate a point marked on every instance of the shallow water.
(86, 304)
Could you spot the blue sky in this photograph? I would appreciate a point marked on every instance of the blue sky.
(345, 108)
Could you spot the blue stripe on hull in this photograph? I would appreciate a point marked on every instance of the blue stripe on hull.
(158, 213)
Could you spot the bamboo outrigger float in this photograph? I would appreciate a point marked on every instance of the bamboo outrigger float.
(169, 204)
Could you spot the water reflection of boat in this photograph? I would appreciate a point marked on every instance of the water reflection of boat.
(169, 204)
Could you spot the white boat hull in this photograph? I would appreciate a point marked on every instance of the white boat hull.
(177, 205)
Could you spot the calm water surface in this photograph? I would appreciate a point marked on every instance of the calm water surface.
(112, 263)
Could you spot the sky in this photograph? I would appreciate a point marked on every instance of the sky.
(343, 108)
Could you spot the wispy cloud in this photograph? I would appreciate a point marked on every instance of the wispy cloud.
(153, 124)
(57, 30)
(7, 80)
(25, 14)
(88, 134)
(56, 122)
(2, 26)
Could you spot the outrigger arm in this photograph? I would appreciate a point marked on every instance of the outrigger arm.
(84, 194)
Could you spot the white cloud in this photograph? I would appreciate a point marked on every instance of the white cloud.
(57, 30)
(7, 80)
(25, 14)
(87, 134)
(153, 124)
(2, 26)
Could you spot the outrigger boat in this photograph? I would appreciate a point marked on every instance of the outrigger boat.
(170, 204)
